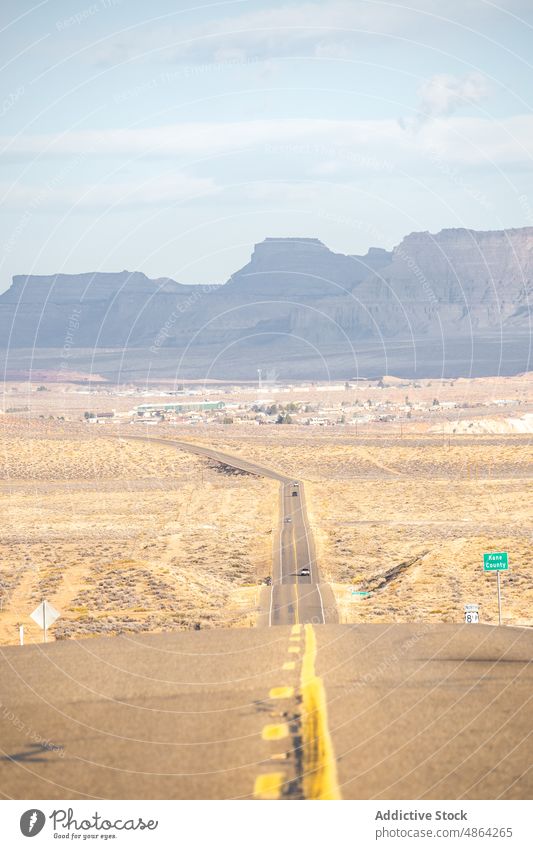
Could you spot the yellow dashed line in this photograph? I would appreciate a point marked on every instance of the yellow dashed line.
(281, 693)
(319, 769)
(319, 765)
(269, 786)
(275, 732)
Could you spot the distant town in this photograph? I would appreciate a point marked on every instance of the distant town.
(347, 404)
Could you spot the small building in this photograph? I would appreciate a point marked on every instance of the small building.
(180, 407)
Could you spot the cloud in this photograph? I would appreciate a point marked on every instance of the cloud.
(200, 139)
(367, 144)
(281, 151)
(444, 94)
(329, 28)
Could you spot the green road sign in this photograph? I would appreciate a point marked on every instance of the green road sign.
(495, 561)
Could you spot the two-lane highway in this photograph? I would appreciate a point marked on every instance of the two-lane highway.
(296, 595)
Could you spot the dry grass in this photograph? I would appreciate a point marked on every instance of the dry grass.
(127, 537)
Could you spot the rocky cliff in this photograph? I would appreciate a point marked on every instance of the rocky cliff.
(293, 294)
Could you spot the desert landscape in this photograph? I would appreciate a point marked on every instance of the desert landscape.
(125, 537)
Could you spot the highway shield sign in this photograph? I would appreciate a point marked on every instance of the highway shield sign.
(472, 614)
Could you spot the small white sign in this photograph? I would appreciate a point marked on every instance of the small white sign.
(472, 614)
(45, 615)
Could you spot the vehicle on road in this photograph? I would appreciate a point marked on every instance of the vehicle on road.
(295, 483)
(295, 494)
(288, 519)
(305, 572)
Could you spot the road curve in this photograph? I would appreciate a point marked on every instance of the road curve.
(294, 597)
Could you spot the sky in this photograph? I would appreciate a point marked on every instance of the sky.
(169, 137)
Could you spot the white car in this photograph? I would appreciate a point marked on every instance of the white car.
(305, 572)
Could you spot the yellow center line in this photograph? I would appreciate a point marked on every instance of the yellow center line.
(319, 764)
(289, 665)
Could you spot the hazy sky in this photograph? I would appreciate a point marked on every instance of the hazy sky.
(170, 136)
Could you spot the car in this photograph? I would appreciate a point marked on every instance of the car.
(305, 572)
(288, 519)
(295, 495)
(295, 483)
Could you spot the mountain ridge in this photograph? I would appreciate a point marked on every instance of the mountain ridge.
(293, 294)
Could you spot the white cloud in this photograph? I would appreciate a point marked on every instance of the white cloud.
(361, 143)
(474, 142)
(200, 139)
(444, 93)
(325, 28)
(281, 152)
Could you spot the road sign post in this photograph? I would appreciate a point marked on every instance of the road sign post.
(496, 561)
(45, 615)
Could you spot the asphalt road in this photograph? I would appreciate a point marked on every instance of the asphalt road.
(407, 711)
(293, 597)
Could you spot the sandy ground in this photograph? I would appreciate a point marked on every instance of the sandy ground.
(126, 537)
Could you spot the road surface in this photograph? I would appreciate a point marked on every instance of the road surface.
(293, 598)
(401, 712)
